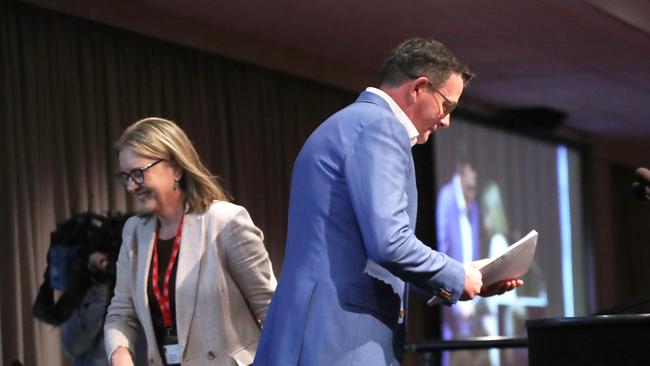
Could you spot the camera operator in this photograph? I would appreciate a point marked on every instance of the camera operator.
(81, 264)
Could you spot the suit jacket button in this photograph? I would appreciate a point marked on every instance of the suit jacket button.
(211, 355)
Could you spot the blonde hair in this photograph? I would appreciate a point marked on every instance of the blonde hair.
(158, 138)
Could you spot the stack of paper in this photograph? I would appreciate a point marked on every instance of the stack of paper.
(513, 263)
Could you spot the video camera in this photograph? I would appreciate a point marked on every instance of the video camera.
(70, 269)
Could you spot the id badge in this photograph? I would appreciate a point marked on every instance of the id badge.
(172, 354)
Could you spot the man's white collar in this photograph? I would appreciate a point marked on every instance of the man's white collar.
(399, 114)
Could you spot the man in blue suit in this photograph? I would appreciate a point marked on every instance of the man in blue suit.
(458, 228)
(351, 243)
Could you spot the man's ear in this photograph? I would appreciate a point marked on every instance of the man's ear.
(421, 82)
(417, 87)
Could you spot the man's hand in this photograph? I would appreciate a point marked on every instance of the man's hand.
(500, 288)
(473, 282)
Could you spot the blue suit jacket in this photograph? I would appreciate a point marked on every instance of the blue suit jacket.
(353, 197)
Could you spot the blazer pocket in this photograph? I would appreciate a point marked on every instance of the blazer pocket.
(245, 355)
(370, 301)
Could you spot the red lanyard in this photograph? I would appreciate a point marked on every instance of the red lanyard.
(163, 299)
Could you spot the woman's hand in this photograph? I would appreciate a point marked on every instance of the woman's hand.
(121, 357)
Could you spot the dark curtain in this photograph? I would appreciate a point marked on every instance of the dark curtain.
(69, 87)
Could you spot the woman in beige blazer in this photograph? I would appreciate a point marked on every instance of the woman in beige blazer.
(193, 271)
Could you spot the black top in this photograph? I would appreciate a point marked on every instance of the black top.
(164, 252)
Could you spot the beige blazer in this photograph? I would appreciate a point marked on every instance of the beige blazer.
(224, 284)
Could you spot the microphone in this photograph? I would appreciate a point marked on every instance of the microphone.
(641, 185)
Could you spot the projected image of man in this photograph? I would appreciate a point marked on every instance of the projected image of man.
(458, 229)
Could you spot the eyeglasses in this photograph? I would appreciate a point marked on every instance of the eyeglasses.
(137, 174)
(448, 106)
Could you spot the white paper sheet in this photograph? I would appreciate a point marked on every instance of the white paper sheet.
(513, 263)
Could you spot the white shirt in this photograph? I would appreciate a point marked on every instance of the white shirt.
(403, 119)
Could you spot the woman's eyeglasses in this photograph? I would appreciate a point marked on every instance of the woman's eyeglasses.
(136, 175)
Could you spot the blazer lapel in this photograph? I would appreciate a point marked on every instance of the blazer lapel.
(145, 250)
(187, 274)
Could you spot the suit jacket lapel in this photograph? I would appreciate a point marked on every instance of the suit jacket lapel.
(187, 274)
(145, 250)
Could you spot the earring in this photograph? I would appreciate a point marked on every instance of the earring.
(176, 184)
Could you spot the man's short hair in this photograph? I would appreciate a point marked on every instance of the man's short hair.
(417, 57)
